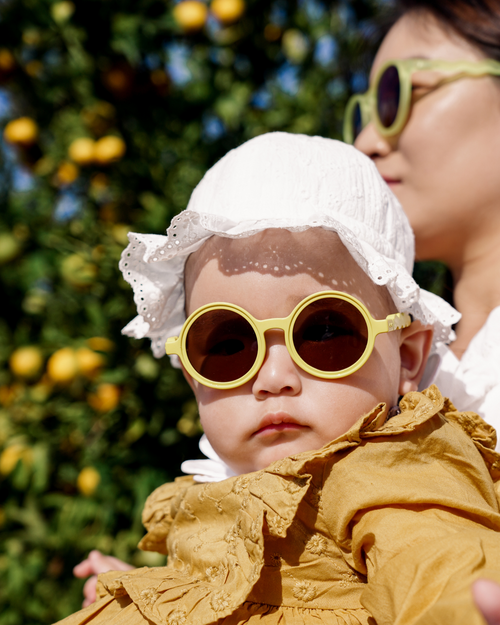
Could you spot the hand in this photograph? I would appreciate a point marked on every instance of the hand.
(486, 594)
(96, 563)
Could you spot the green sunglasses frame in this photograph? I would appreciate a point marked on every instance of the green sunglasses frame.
(177, 345)
(406, 67)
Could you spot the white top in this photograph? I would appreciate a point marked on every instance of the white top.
(209, 469)
(473, 382)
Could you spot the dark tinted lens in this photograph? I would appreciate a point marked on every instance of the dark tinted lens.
(388, 96)
(221, 345)
(357, 122)
(330, 334)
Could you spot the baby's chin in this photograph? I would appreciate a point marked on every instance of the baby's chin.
(270, 455)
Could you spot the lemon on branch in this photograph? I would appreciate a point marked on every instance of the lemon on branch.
(22, 131)
(7, 64)
(88, 480)
(109, 150)
(67, 173)
(78, 271)
(12, 454)
(89, 362)
(106, 397)
(227, 11)
(62, 366)
(81, 151)
(191, 15)
(26, 362)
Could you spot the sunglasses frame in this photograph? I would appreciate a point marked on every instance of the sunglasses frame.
(406, 68)
(177, 345)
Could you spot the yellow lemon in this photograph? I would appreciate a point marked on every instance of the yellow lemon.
(9, 247)
(191, 15)
(62, 11)
(10, 457)
(34, 68)
(101, 344)
(67, 173)
(228, 11)
(106, 397)
(62, 366)
(78, 271)
(109, 149)
(89, 362)
(88, 480)
(295, 45)
(7, 61)
(81, 151)
(26, 362)
(21, 131)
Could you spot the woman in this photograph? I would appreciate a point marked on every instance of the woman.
(440, 154)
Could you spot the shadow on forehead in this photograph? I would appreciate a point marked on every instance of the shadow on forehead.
(278, 252)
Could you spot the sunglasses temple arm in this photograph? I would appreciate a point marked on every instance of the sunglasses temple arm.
(397, 321)
(172, 346)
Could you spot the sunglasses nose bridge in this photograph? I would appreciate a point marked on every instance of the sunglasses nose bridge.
(273, 324)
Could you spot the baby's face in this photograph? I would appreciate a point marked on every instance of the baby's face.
(283, 410)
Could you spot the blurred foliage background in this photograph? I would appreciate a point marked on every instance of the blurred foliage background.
(111, 112)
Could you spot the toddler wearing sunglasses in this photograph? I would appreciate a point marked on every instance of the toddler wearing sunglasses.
(284, 292)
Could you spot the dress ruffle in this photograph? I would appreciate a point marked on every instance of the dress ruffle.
(220, 536)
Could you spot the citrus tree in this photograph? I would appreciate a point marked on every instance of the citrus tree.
(111, 112)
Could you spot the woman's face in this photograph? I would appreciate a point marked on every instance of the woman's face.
(444, 165)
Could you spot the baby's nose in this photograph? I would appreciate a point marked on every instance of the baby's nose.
(278, 373)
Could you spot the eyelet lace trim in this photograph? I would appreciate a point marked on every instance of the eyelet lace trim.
(159, 285)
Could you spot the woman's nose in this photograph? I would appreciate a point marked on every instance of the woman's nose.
(278, 374)
(372, 144)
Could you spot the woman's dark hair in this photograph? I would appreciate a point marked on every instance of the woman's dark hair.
(477, 21)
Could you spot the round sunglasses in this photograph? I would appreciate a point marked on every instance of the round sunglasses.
(329, 335)
(387, 102)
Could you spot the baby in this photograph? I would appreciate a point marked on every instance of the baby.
(284, 292)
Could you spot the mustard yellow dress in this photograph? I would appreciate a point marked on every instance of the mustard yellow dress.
(388, 524)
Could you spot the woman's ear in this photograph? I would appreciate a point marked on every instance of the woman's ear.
(414, 349)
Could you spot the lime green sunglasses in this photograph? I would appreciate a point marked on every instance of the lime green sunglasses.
(388, 100)
(329, 335)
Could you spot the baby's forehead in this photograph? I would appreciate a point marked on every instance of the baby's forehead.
(278, 252)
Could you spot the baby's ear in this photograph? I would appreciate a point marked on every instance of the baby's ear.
(414, 349)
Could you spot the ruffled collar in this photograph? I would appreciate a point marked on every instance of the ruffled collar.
(429, 402)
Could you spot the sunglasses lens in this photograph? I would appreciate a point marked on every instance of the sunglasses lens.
(388, 96)
(357, 122)
(330, 334)
(221, 345)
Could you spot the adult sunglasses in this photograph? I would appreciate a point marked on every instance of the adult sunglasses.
(328, 334)
(387, 102)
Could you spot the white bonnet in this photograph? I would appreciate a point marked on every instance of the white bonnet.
(280, 180)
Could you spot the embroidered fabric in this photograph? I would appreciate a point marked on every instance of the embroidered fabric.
(285, 181)
(288, 544)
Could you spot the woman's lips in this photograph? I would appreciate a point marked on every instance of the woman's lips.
(391, 181)
(277, 422)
